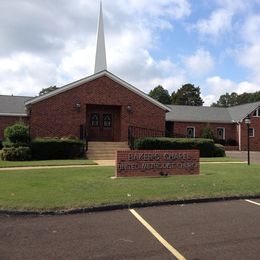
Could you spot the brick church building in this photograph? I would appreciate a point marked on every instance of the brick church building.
(103, 107)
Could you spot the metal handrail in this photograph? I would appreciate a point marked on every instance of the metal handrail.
(135, 132)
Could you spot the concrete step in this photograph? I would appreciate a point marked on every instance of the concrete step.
(105, 150)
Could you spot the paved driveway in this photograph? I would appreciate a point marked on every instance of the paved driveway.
(220, 230)
(254, 156)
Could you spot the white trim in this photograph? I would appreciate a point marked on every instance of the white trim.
(257, 112)
(10, 114)
(91, 78)
(251, 136)
(224, 132)
(194, 131)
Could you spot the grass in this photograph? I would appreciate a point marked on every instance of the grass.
(220, 159)
(4, 164)
(87, 187)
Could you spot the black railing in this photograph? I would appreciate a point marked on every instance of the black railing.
(83, 135)
(135, 132)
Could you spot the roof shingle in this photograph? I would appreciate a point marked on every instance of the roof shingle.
(210, 114)
(13, 105)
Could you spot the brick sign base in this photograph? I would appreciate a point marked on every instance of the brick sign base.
(157, 163)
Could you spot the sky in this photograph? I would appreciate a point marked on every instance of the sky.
(213, 44)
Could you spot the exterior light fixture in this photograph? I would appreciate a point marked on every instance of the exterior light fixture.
(77, 106)
(129, 108)
(248, 122)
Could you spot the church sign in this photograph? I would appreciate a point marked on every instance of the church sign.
(157, 163)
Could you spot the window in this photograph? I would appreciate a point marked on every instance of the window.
(94, 120)
(190, 132)
(257, 112)
(107, 120)
(251, 132)
(221, 133)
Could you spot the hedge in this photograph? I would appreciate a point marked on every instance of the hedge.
(219, 151)
(51, 149)
(20, 153)
(206, 146)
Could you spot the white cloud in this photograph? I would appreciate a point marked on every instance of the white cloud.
(76, 63)
(25, 74)
(219, 22)
(208, 99)
(249, 55)
(175, 9)
(251, 29)
(59, 45)
(200, 63)
(217, 86)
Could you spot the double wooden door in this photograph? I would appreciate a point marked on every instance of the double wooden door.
(101, 122)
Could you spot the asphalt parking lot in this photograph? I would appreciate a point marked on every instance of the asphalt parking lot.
(219, 230)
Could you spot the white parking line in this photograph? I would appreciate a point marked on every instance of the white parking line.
(253, 202)
(158, 236)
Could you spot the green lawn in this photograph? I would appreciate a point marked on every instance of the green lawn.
(4, 164)
(86, 187)
(220, 159)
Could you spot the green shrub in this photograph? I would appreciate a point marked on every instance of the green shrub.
(20, 153)
(207, 133)
(17, 134)
(50, 149)
(206, 146)
(219, 150)
(69, 137)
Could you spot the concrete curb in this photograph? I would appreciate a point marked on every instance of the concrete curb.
(122, 206)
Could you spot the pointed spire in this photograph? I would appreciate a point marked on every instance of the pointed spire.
(101, 62)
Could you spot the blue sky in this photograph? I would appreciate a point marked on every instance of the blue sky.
(214, 44)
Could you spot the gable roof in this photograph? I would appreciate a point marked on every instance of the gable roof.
(13, 105)
(205, 114)
(91, 78)
(238, 113)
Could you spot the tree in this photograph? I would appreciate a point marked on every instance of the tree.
(207, 133)
(187, 95)
(47, 90)
(227, 100)
(233, 99)
(160, 94)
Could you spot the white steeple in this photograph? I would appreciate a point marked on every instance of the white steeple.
(100, 62)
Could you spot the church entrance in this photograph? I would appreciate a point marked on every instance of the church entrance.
(103, 123)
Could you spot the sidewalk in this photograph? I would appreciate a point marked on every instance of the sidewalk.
(99, 163)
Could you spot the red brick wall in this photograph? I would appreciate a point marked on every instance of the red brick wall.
(56, 116)
(254, 141)
(230, 129)
(6, 121)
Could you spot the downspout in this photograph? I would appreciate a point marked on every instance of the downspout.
(239, 136)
